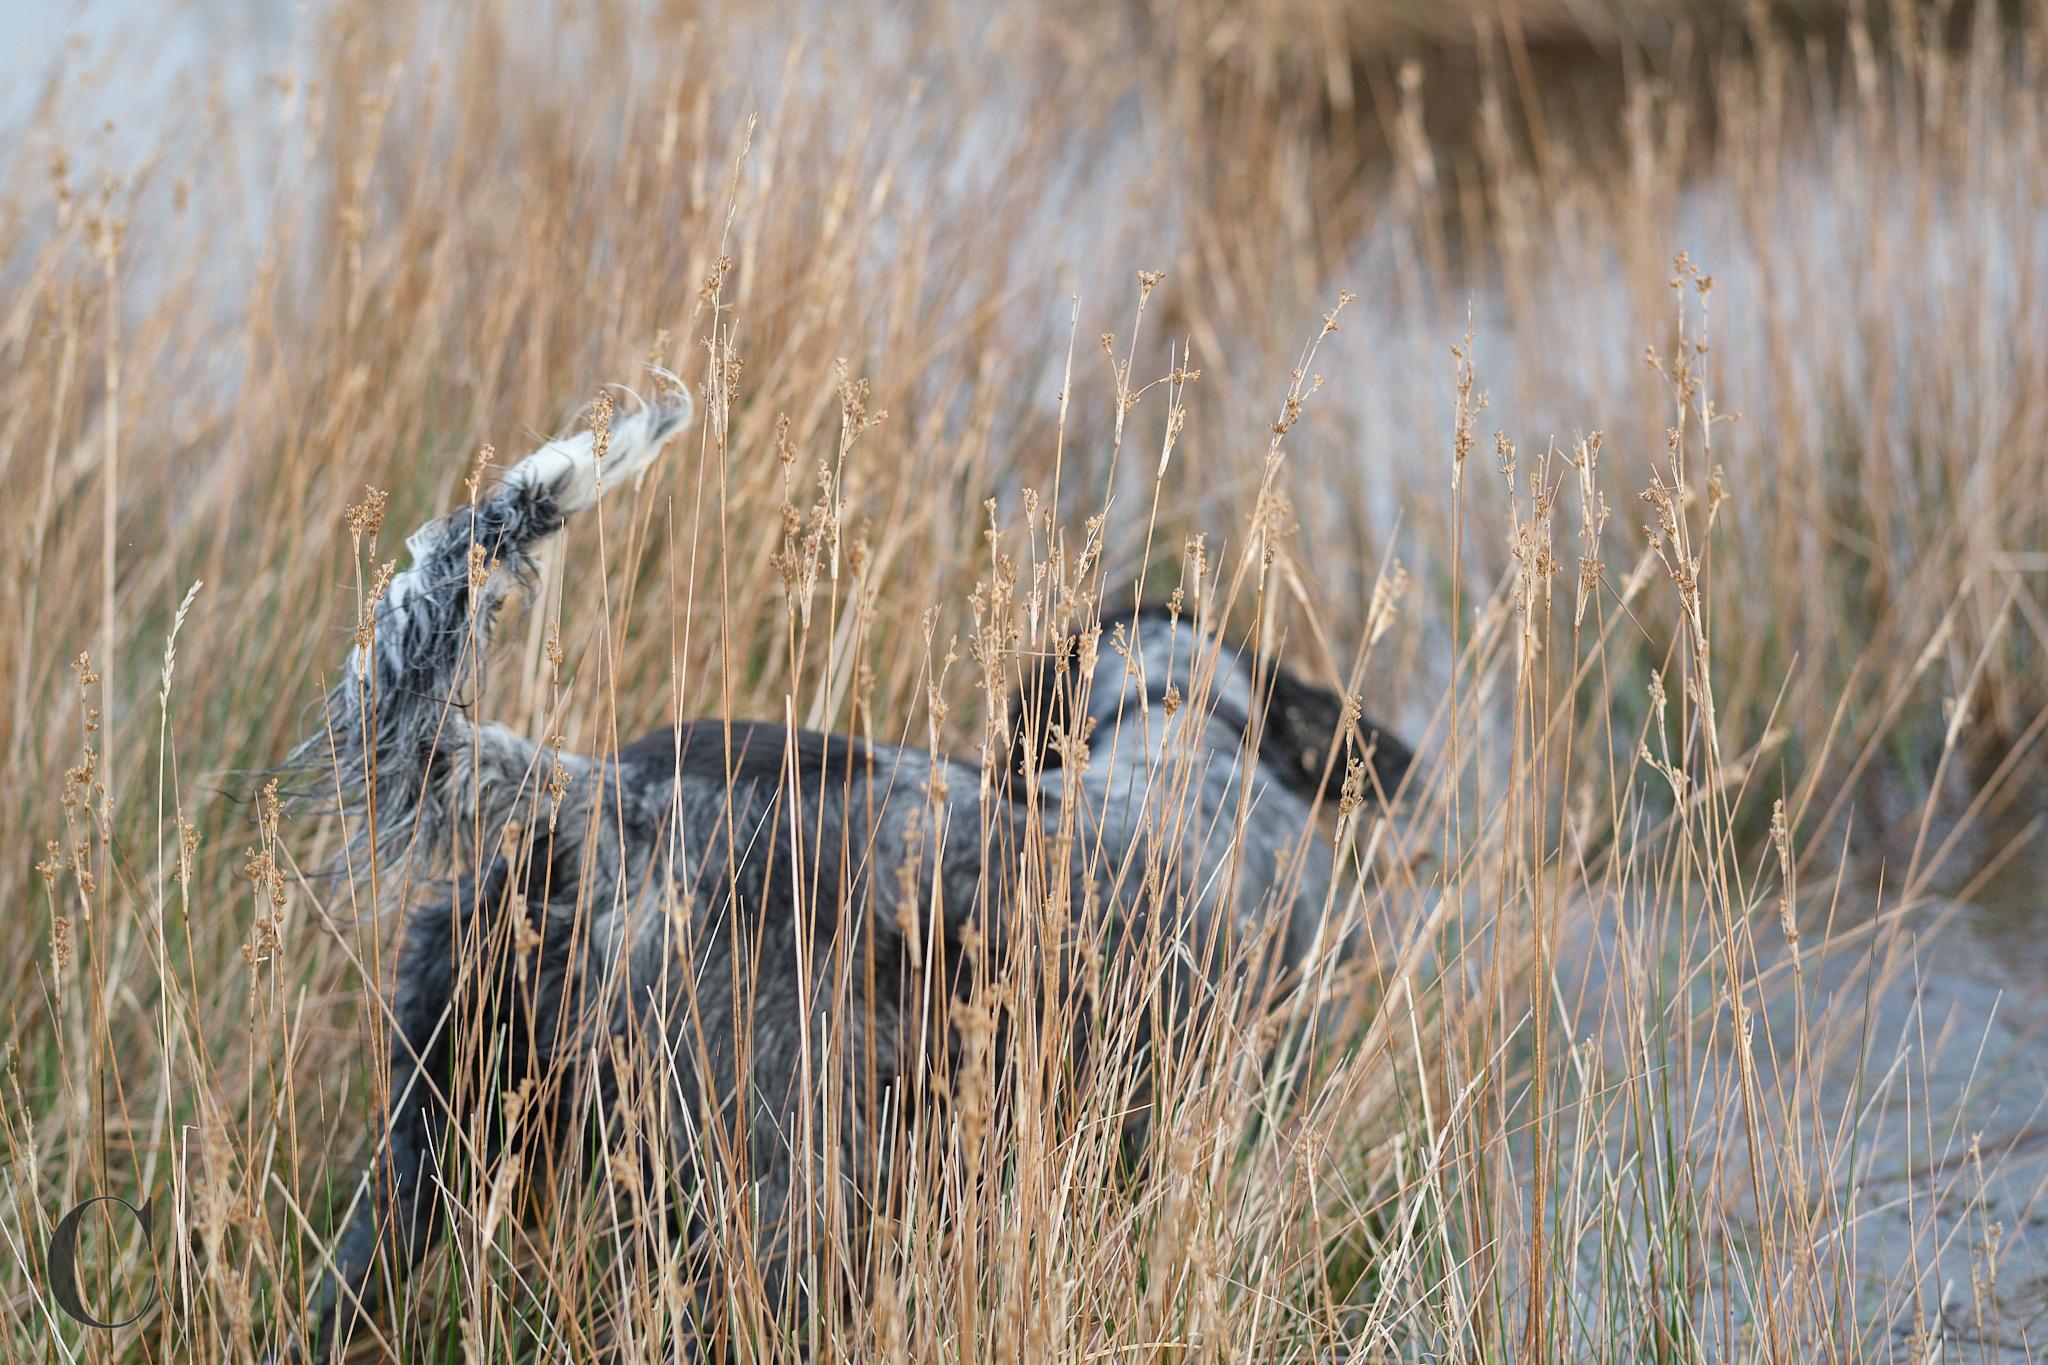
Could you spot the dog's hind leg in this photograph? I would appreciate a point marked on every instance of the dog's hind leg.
(482, 1007)
(396, 1212)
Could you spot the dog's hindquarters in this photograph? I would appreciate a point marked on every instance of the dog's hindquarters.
(413, 773)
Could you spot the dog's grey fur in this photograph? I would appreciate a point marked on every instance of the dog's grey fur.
(738, 893)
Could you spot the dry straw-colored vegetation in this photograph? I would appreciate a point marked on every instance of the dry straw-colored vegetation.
(1702, 587)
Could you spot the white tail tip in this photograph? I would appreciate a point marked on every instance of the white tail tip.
(569, 468)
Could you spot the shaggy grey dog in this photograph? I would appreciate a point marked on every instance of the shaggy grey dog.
(760, 903)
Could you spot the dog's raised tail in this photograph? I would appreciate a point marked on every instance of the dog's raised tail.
(397, 751)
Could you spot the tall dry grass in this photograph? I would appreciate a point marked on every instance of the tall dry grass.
(1673, 673)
